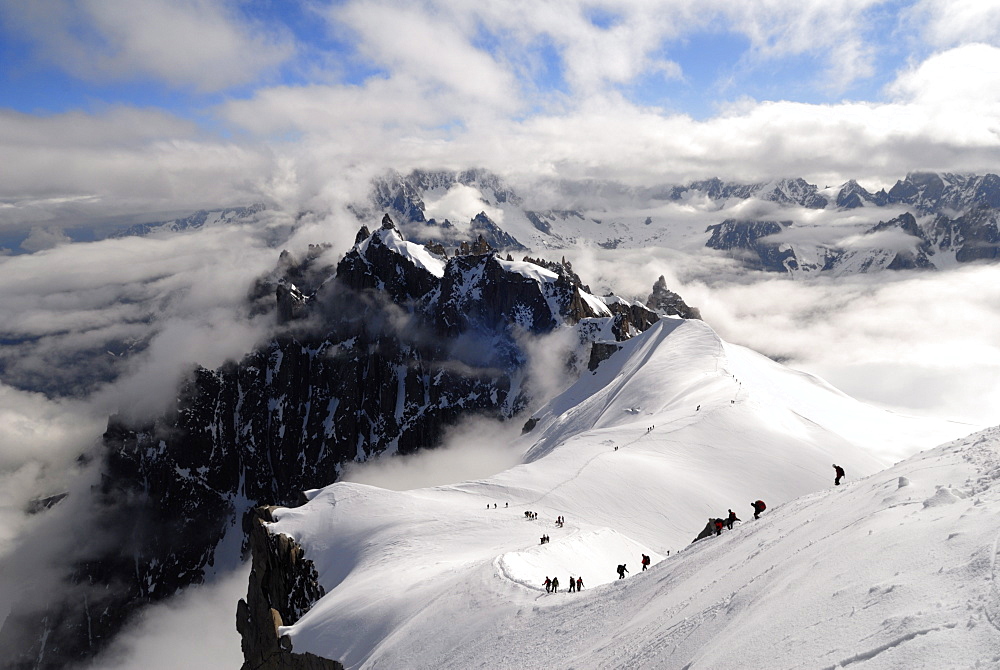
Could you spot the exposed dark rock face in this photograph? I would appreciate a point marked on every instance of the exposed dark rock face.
(283, 586)
(538, 222)
(665, 301)
(375, 263)
(747, 240)
(852, 195)
(898, 256)
(971, 237)
(483, 226)
(600, 352)
(784, 191)
(41, 504)
(941, 193)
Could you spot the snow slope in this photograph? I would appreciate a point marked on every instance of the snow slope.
(438, 578)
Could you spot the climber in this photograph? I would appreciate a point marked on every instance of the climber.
(555, 585)
(547, 584)
(579, 584)
(621, 571)
(572, 584)
(718, 526)
(645, 562)
(840, 473)
(731, 519)
(758, 507)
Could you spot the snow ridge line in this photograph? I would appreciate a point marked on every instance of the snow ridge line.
(580, 470)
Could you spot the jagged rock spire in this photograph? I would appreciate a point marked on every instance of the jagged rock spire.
(666, 301)
(363, 234)
(387, 223)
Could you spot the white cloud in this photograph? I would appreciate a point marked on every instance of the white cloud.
(44, 238)
(195, 630)
(837, 31)
(968, 75)
(459, 205)
(78, 167)
(473, 449)
(421, 46)
(948, 23)
(922, 343)
(203, 44)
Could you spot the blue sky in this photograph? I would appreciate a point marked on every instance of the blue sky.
(713, 63)
(112, 108)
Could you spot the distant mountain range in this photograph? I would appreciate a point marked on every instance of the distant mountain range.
(925, 221)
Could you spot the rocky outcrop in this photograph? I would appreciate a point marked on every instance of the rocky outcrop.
(749, 242)
(974, 236)
(667, 302)
(600, 352)
(375, 263)
(283, 585)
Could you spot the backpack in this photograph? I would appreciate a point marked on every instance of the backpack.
(760, 505)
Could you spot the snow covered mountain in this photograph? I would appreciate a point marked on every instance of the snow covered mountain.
(200, 219)
(673, 429)
(377, 355)
(787, 225)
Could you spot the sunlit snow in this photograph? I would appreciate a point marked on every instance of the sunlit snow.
(676, 428)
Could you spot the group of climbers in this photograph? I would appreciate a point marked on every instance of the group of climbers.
(552, 585)
(759, 506)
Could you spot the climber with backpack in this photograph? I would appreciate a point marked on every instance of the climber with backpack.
(758, 507)
(840, 474)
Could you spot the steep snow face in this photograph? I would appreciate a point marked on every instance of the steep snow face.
(675, 428)
(415, 253)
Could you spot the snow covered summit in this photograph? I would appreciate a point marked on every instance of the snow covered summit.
(675, 428)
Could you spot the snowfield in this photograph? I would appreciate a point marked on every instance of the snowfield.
(895, 570)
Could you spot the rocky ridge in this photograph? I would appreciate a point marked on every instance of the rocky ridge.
(377, 356)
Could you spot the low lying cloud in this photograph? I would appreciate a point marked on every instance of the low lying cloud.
(460, 204)
(917, 342)
(890, 240)
(474, 449)
(195, 629)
